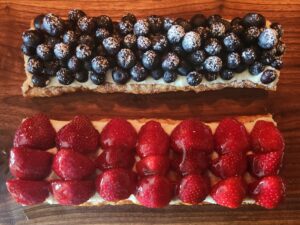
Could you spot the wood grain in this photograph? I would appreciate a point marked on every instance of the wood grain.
(283, 104)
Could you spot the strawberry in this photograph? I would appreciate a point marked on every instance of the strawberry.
(115, 158)
(79, 135)
(265, 164)
(229, 192)
(71, 165)
(28, 192)
(175, 178)
(152, 140)
(118, 133)
(192, 135)
(154, 191)
(193, 189)
(265, 137)
(153, 165)
(35, 132)
(29, 164)
(116, 184)
(231, 136)
(72, 192)
(269, 191)
(229, 165)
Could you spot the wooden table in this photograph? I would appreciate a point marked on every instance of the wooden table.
(283, 104)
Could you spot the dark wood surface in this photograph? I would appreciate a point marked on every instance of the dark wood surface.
(283, 104)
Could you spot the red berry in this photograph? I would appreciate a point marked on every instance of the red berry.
(28, 192)
(29, 164)
(192, 135)
(194, 189)
(72, 192)
(78, 135)
(153, 165)
(35, 132)
(269, 191)
(118, 133)
(116, 158)
(265, 137)
(265, 164)
(116, 184)
(71, 165)
(152, 140)
(229, 192)
(154, 191)
(229, 165)
(175, 179)
(231, 136)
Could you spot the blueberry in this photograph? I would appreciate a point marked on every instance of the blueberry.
(125, 27)
(86, 24)
(156, 74)
(231, 42)
(62, 51)
(141, 28)
(51, 67)
(96, 78)
(39, 80)
(111, 45)
(268, 56)
(203, 32)
(194, 78)
(184, 68)
(248, 56)
(254, 19)
(278, 28)
(268, 76)
(170, 62)
(70, 37)
(81, 76)
(159, 43)
(74, 64)
(226, 24)
(170, 76)
(211, 76)
(175, 34)
(83, 52)
(75, 14)
(120, 76)
(52, 41)
(129, 41)
(34, 66)
(100, 64)
(129, 17)
(233, 60)
(236, 21)
(167, 23)
(226, 74)
(177, 48)
(143, 43)
(277, 63)
(44, 52)
(280, 48)
(102, 33)
(242, 67)
(155, 23)
(251, 34)
(198, 20)
(32, 38)
(256, 68)
(150, 59)
(213, 64)
(213, 18)
(138, 72)
(213, 46)
(191, 41)
(197, 57)
(184, 23)
(104, 21)
(217, 29)
(27, 50)
(64, 76)
(52, 24)
(38, 22)
(126, 58)
(238, 30)
(267, 39)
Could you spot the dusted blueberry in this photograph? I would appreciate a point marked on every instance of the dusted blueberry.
(184, 23)
(198, 20)
(213, 64)
(197, 57)
(81, 76)
(280, 48)
(70, 37)
(175, 34)
(155, 23)
(236, 21)
(52, 41)
(83, 52)
(213, 18)
(32, 38)
(125, 27)
(203, 31)
(168, 22)
(277, 63)
(64, 76)
(170, 62)
(254, 19)
(211, 76)
(233, 60)
(111, 45)
(159, 42)
(268, 76)
(87, 40)
(38, 22)
(141, 28)
(251, 34)
(256, 68)
(27, 50)
(150, 59)
(62, 51)
(86, 24)
(138, 72)
(191, 41)
(126, 58)
(170, 76)
(102, 33)
(34, 66)
(226, 74)
(74, 64)
(104, 21)
(268, 56)
(194, 78)
(100, 64)
(213, 46)
(143, 43)
(44, 52)
(51, 67)
(96, 78)
(129, 41)
(226, 24)
(242, 67)
(217, 29)
(157, 73)
(39, 80)
(278, 28)
(238, 30)
(178, 50)
(248, 56)
(52, 24)
(75, 14)
(129, 17)
(120, 76)
(231, 42)
(268, 38)
(184, 68)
